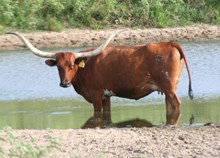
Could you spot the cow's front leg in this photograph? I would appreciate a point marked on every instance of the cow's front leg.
(106, 110)
(98, 115)
(172, 109)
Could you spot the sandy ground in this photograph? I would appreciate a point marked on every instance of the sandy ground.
(203, 142)
(87, 38)
(114, 142)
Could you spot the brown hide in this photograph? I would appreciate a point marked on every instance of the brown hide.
(132, 72)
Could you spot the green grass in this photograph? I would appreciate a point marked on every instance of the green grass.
(17, 147)
(56, 15)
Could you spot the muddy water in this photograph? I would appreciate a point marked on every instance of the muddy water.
(30, 96)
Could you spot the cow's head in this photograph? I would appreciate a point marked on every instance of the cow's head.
(66, 62)
(67, 67)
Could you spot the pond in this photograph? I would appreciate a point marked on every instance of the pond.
(30, 95)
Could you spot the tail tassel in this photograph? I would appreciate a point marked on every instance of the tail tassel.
(191, 94)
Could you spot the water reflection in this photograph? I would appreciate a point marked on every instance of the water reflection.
(92, 122)
(138, 123)
(104, 120)
(64, 114)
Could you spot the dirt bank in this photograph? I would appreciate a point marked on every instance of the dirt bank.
(117, 143)
(81, 38)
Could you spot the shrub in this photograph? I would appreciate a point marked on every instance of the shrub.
(54, 15)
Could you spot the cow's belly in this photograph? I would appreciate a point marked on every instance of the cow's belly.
(138, 92)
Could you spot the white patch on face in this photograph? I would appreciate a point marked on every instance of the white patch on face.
(108, 94)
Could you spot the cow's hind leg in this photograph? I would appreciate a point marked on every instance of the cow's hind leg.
(172, 109)
(171, 79)
(106, 110)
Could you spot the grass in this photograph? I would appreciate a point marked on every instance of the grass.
(56, 15)
(17, 147)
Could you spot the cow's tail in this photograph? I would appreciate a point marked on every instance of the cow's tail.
(177, 46)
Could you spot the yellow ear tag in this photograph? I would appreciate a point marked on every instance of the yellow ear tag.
(82, 64)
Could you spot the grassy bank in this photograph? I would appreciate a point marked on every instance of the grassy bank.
(55, 15)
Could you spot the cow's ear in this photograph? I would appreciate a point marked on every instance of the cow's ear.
(80, 60)
(51, 62)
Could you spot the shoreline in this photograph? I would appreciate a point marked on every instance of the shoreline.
(91, 38)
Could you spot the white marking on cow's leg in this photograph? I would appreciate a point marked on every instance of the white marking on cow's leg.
(107, 93)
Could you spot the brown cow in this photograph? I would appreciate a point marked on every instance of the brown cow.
(123, 71)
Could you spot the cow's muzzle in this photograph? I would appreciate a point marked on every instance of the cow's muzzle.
(65, 84)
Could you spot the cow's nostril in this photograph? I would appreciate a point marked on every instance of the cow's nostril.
(68, 84)
(62, 85)
(65, 84)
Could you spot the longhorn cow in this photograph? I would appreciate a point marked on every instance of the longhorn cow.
(125, 71)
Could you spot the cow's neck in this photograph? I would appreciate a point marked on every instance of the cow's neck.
(78, 81)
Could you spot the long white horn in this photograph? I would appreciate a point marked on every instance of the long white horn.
(32, 48)
(99, 49)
